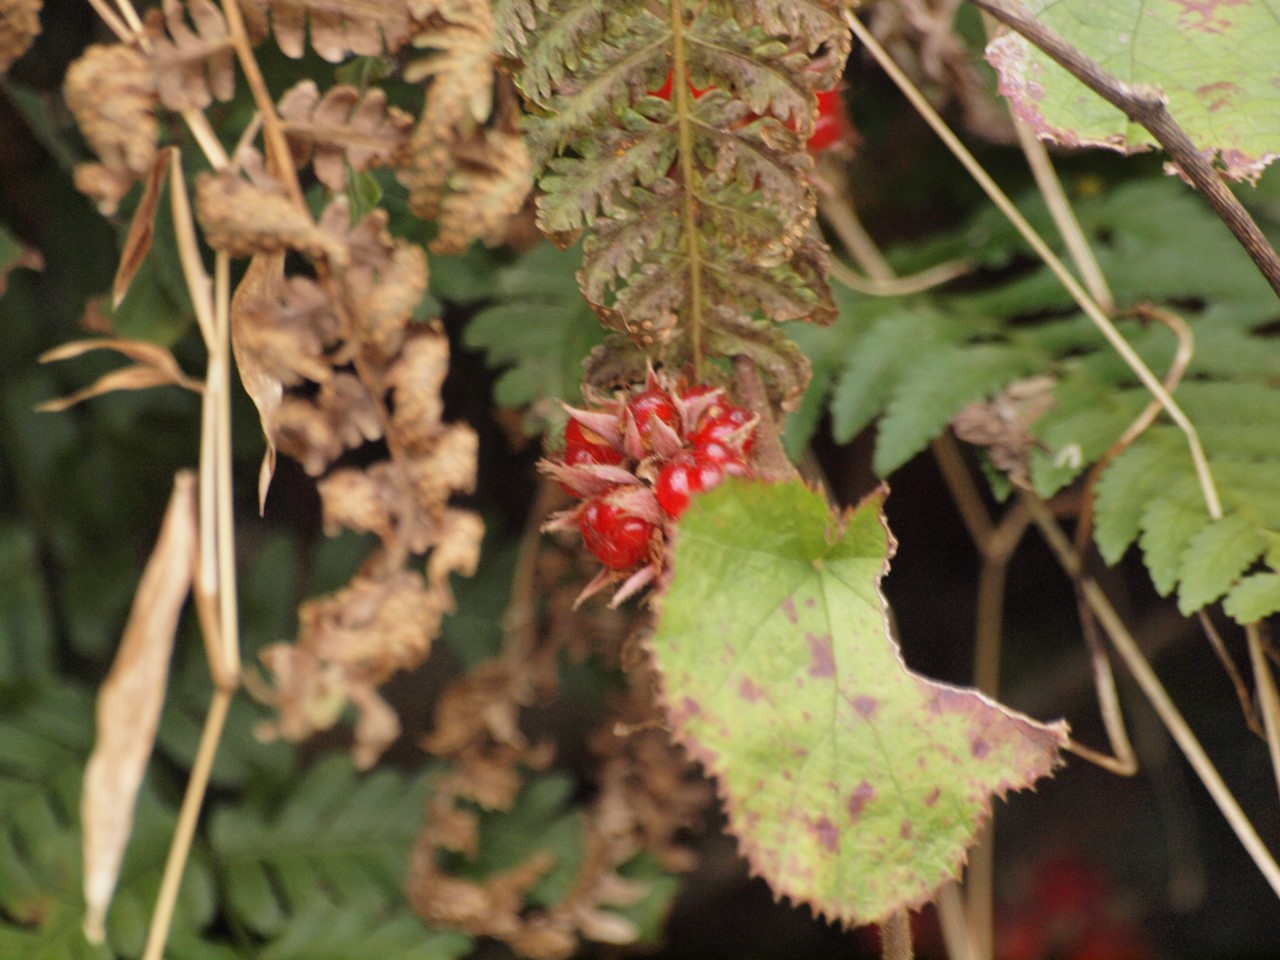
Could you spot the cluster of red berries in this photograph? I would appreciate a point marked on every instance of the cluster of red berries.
(635, 462)
(832, 129)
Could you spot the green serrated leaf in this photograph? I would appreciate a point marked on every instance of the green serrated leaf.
(851, 783)
(877, 362)
(1168, 527)
(936, 387)
(540, 329)
(1211, 62)
(1215, 558)
(1123, 492)
(1253, 598)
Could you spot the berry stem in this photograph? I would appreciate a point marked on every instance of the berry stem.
(772, 463)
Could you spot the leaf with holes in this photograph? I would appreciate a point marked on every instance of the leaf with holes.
(1214, 61)
(852, 784)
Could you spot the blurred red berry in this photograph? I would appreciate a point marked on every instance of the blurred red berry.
(617, 539)
(680, 479)
(646, 405)
(722, 427)
(832, 128)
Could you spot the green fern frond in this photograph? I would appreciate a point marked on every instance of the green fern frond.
(45, 737)
(915, 362)
(698, 205)
(337, 839)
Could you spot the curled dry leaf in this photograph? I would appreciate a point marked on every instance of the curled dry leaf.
(111, 92)
(489, 186)
(192, 67)
(279, 331)
(363, 130)
(130, 701)
(142, 229)
(383, 281)
(19, 27)
(1003, 424)
(316, 431)
(243, 218)
(338, 30)
(154, 366)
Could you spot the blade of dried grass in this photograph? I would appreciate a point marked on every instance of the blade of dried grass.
(142, 228)
(155, 367)
(129, 704)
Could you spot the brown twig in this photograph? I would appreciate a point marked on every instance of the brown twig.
(1145, 105)
(1233, 673)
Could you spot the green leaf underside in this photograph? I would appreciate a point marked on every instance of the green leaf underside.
(1214, 62)
(698, 209)
(852, 784)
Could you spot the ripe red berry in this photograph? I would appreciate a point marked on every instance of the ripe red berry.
(648, 404)
(617, 539)
(578, 438)
(680, 479)
(722, 427)
(713, 451)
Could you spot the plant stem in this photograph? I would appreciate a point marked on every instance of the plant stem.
(891, 286)
(273, 133)
(680, 94)
(180, 847)
(1150, 685)
(1268, 701)
(1145, 105)
(1065, 277)
(895, 937)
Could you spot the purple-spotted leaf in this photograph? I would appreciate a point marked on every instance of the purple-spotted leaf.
(1213, 59)
(851, 783)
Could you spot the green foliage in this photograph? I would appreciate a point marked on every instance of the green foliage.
(852, 784)
(45, 737)
(916, 362)
(335, 839)
(536, 326)
(699, 209)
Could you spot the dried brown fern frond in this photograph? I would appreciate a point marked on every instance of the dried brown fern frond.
(488, 187)
(342, 125)
(363, 370)
(19, 27)
(192, 67)
(338, 28)
(110, 91)
(470, 178)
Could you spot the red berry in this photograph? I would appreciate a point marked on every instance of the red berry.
(722, 427)
(832, 128)
(617, 539)
(578, 438)
(713, 451)
(680, 479)
(648, 404)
